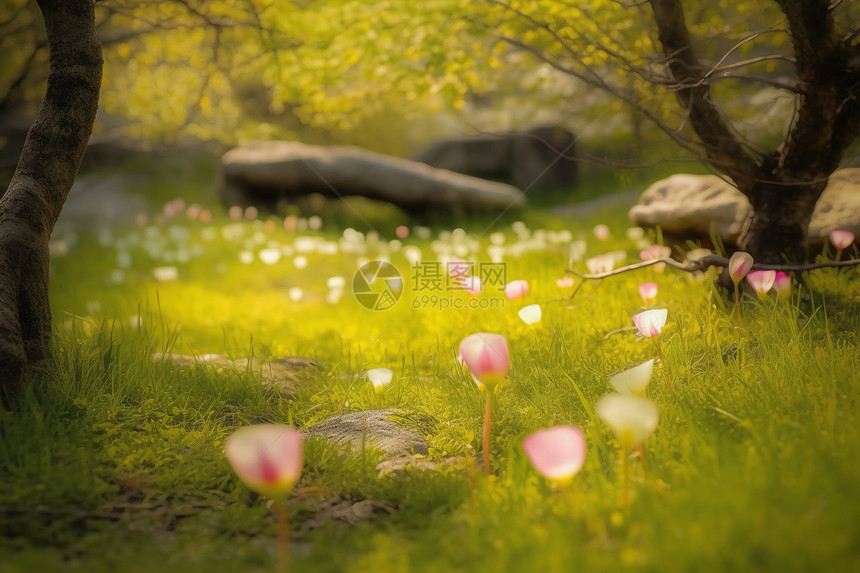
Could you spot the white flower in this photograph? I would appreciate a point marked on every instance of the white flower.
(633, 380)
(632, 418)
(380, 378)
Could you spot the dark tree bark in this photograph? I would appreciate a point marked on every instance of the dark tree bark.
(784, 185)
(47, 168)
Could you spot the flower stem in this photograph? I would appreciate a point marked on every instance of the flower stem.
(641, 449)
(838, 255)
(738, 302)
(625, 493)
(663, 363)
(487, 414)
(282, 519)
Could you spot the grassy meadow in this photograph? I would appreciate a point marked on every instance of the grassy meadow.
(114, 461)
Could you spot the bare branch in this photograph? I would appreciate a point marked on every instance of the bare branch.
(689, 145)
(23, 73)
(702, 264)
(790, 86)
(723, 150)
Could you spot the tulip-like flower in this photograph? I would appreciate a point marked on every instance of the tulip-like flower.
(656, 252)
(841, 239)
(648, 292)
(632, 418)
(556, 453)
(761, 281)
(486, 356)
(516, 289)
(650, 322)
(633, 380)
(739, 265)
(782, 284)
(530, 314)
(380, 378)
(267, 457)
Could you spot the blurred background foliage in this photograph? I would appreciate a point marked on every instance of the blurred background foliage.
(393, 76)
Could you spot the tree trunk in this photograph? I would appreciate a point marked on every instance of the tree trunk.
(49, 162)
(777, 231)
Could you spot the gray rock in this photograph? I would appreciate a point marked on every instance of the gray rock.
(267, 172)
(691, 205)
(334, 509)
(539, 159)
(839, 206)
(372, 427)
(399, 465)
(285, 374)
(685, 204)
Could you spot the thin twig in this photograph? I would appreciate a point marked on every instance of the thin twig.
(703, 263)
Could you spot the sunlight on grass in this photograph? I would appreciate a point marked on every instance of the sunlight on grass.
(114, 460)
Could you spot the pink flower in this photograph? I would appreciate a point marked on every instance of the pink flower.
(472, 285)
(841, 238)
(556, 453)
(761, 281)
(267, 457)
(739, 265)
(486, 357)
(655, 252)
(402, 232)
(516, 289)
(648, 292)
(782, 284)
(650, 322)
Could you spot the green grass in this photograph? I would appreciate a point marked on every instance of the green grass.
(112, 461)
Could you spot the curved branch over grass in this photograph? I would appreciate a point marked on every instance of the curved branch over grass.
(702, 264)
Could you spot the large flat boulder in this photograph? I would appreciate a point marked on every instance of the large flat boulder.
(264, 173)
(689, 206)
(540, 159)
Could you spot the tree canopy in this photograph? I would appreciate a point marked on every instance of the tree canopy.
(261, 69)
